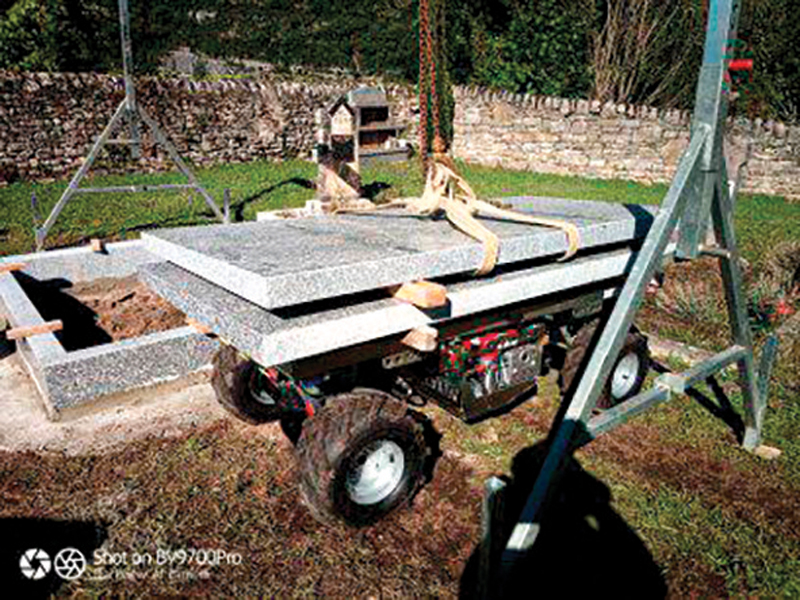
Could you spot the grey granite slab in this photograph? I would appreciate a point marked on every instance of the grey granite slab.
(277, 336)
(93, 373)
(82, 264)
(283, 263)
(68, 379)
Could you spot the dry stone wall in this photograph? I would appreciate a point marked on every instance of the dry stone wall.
(49, 122)
(579, 137)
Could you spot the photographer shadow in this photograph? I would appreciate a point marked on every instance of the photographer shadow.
(584, 548)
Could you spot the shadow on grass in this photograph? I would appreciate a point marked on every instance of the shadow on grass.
(50, 536)
(237, 208)
(369, 191)
(721, 409)
(585, 548)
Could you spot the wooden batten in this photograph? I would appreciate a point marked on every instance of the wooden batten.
(423, 339)
(18, 333)
(422, 294)
(8, 267)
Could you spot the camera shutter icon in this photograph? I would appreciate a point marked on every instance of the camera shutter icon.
(35, 563)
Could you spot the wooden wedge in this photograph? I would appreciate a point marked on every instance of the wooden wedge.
(423, 339)
(422, 294)
(198, 326)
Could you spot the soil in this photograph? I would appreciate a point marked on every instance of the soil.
(101, 311)
(127, 308)
(177, 472)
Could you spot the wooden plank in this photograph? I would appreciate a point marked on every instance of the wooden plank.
(8, 267)
(424, 339)
(18, 333)
(198, 326)
(422, 294)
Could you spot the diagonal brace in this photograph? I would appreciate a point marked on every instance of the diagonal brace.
(609, 345)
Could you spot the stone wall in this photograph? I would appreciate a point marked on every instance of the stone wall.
(48, 122)
(578, 137)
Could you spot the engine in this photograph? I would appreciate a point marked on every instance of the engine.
(482, 370)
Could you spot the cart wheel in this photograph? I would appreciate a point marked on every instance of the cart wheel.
(362, 456)
(627, 375)
(237, 382)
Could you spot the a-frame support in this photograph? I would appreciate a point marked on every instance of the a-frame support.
(699, 193)
(135, 115)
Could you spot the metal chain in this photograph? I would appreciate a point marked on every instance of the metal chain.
(438, 142)
(424, 35)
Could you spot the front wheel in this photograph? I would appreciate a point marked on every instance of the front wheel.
(363, 455)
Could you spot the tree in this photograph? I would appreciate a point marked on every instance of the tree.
(28, 36)
(83, 35)
(641, 51)
(648, 51)
(531, 46)
(769, 30)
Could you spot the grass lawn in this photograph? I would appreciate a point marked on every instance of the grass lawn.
(712, 520)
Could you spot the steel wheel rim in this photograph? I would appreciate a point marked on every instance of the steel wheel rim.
(377, 472)
(626, 373)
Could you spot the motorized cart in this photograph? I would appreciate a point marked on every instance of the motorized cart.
(343, 324)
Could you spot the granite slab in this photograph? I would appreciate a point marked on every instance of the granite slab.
(75, 378)
(283, 263)
(278, 336)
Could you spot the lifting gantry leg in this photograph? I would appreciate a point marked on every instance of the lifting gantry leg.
(135, 114)
(697, 197)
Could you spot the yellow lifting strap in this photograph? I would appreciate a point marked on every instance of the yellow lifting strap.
(446, 191)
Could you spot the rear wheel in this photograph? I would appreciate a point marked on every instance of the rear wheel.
(363, 455)
(627, 374)
(241, 387)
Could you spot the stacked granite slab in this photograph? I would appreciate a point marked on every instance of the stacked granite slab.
(295, 261)
(278, 336)
(286, 290)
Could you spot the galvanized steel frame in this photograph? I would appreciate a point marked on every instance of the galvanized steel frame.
(698, 195)
(134, 114)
